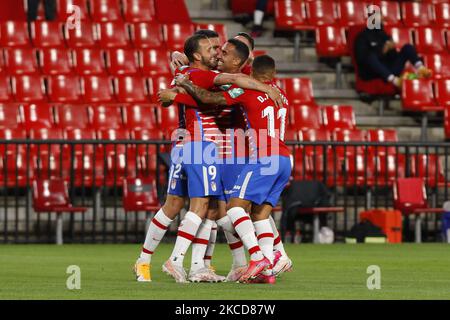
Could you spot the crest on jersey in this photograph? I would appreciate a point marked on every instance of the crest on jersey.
(174, 184)
(235, 92)
(213, 186)
(225, 87)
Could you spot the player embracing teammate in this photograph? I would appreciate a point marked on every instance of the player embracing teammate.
(198, 158)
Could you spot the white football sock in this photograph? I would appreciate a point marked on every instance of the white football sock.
(199, 245)
(186, 233)
(264, 235)
(244, 228)
(226, 224)
(237, 249)
(156, 231)
(211, 245)
(277, 243)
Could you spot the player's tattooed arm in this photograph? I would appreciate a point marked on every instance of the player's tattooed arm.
(202, 96)
(167, 96)
(246, 82)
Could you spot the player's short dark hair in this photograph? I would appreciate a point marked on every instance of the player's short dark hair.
(192, 45)
(248, 37)
(242, 50)
(207, 33)
(263, 64)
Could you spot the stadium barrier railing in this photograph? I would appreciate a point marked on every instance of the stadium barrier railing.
(359, 175)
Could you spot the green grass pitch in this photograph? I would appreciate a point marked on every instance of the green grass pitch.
(339, 271)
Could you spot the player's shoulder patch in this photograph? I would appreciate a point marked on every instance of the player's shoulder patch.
(183, 68)
(235, 92)
(225, 87)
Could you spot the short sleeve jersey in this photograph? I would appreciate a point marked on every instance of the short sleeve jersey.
(265, 121)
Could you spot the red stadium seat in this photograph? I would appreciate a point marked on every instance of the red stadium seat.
(47, 34)
(442, 14)
(36, 116)
(89, 61)
(21, 61)
(430, 40)
(409, 194)
(113, 35)
(447, 122)
(5, 89)
(321, 13)
(97, 89)
(165, 13)
(415, 14)
(14, 34)
(83, 37)
(72, 116)
(122, 61)
(140, 116)
(389, 168)
(429, 167)
(417, 95)
(331, 41)
(54, 61)
(349, 135)
(352, 13)
(9, 116)
(64, 88)
(47, 166)
(439, 63)
(105, 117)
(52, 195)
(88, 170)
(9, 134)
(400, 35)
(105, 10)
(299, 91)
(28, 88)
(338, 117)
(168, 120)
(176, 34)
(304, 117)
(382, 135)
(390, 11)
(13, 170)
(291, 15)
(80, 134)
(138, 10)
(46, 134)
(65, 9)
(314, 135)
(131, 89)
(154, 62)
(158, 83)
(110, 133)
(443, 92)
(147, 35)
(217, 27)
(140, 194)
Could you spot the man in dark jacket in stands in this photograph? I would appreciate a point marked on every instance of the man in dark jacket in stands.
(377, 57)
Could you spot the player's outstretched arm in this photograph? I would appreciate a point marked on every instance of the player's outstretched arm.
(246, 82)
(202, 96)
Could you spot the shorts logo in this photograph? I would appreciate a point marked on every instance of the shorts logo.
(236, 92)
(174, 184)
(213, 186)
